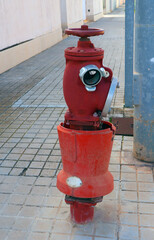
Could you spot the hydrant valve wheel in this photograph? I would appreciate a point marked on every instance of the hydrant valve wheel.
(84, 31)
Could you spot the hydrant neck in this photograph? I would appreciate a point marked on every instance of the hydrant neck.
(85, 43)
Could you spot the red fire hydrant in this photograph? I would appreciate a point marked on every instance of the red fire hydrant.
(85, 139)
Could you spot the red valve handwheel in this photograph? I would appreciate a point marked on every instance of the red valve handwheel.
(84, 31)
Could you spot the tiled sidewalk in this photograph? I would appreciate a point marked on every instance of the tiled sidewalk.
(32, 105)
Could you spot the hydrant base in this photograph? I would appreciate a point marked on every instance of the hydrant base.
(81, 213)
(82, 210)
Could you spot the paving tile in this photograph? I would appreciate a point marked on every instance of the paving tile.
(62, 226)
(114, 168)
(34, 200)
(146, 187)
(63, 214)
(127, 146)
(10, 210)
(8, 164)
(41, 158)
(29, 211)
(26, 157)
(5, 170)
(48, 173)
(22, 189)
(129, 177)
(27, 180)
(39, 190)
(54, 192)
(2, 178)
(106, 212)
(54, 158)
(48, 212)
(128, 186)
(112, 196)
(17, 150)
(48, 146)
(6, 222)
(102, 238)
(16, 171)
(3, 156)
(51, 165)
(31, 151)
(52, 201)
(5, 150)
(42, 225)
(38, 236)
(22, 164)
(35, 145)
(145, 177)
(17, 199)
(128, 207)
(56, 152)
(54, 181)
(128, 169)
(13, 140)
(116, 145)
(78, 237)
(146, 220)
(43, 181)
(147, 233)
(45, 152)
(128, 232)
(3, 234)
(36, 164)
(106, 230)
(13, 156)
(144, 169)
(22, 145)
(4, 198)
(146, 208)
(128, 219)
(33, 172)
(128, 196)
(6, 188)
(146, 197)
(87, 229)
(58, 236)
(17, 235)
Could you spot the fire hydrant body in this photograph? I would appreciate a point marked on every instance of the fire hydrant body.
(85, 139)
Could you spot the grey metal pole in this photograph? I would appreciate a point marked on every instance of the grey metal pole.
(129, 36)
(144, 81)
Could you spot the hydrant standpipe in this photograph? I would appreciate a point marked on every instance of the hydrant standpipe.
(85, 139)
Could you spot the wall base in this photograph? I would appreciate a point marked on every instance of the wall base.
(92, 18)
(15, 55)
(76, 24)
(72, 25)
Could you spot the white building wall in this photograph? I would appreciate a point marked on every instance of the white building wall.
(94, 9)
(75, 12)
(22, 20)
(71, 13)
(107, 6)
(110, 5)
(117, 3)
(113, 4)
(34, 23)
